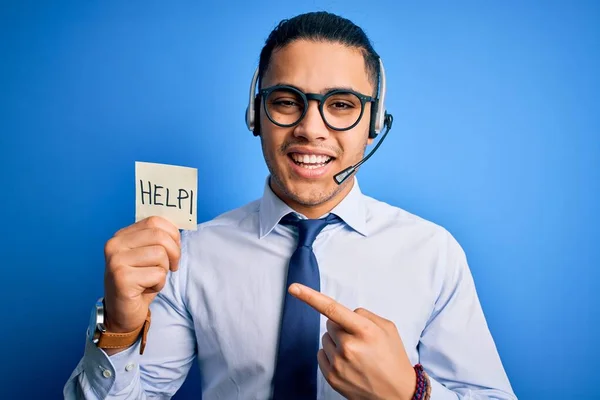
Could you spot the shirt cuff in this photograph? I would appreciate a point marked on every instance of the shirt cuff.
(110, 375)
(440, 392)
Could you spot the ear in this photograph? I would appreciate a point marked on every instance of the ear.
(370, 141)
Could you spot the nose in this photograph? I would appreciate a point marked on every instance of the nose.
(312, 127)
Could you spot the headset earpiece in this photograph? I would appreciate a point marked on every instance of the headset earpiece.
(378, 119)
(251, 110)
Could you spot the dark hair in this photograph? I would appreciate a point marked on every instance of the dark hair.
(320, 26)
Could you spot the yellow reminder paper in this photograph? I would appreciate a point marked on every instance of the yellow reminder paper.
(167, 191)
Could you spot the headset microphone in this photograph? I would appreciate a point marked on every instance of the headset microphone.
(341, 176)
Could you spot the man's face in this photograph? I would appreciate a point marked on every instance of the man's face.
(314, 67)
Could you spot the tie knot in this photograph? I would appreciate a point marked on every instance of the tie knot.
(308, 229)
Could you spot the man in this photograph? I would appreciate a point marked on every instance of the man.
(313, 291)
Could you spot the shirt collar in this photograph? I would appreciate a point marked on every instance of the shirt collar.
(352, 210)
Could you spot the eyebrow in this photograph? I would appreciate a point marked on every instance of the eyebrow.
(323, 91)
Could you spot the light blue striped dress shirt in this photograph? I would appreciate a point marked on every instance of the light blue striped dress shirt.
(224, 305)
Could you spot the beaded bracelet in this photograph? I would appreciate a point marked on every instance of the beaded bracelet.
(428, 391)
(423, 389)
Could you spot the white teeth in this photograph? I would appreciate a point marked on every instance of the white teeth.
(311, 159)
(312, 166)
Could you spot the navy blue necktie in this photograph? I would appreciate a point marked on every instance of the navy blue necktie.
(296, 367)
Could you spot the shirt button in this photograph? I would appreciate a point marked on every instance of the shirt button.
(106, 373)
(129, 367)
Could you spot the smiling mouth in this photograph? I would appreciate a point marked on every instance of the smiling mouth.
(310, 161)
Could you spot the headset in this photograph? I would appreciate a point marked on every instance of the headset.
(379, 120)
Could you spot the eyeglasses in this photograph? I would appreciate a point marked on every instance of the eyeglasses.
(341, 109)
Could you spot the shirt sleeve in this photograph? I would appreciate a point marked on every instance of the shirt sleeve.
(160, 371)
(456, 347)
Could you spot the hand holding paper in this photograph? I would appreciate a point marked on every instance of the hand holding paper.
(139, 257)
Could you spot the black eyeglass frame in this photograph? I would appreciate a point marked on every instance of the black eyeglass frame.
(320, 98)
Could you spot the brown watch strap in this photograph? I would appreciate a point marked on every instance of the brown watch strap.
(111, 340)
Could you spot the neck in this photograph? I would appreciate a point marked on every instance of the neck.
(317, 210)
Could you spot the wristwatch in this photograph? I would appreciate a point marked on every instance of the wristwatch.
(98, 334)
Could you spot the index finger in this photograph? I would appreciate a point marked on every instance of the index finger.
(153, 222)
(344, 317)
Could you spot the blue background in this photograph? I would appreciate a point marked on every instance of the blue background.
(496, 137)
